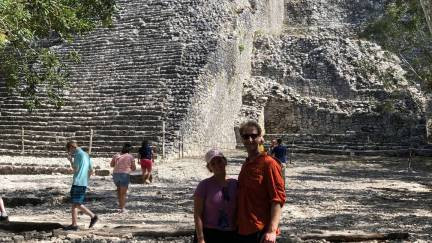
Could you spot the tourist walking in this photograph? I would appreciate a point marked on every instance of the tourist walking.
(261, 191)
(3, 216)
(280, 153)
(83, 168)
(123, 164)
(215, 202)
(273, 144)
(146, 159)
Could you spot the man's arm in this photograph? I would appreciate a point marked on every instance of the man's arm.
(72, 162)
(275, 214)
(69, 157)
(276, 190)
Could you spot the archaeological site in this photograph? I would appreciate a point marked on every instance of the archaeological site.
(185, 74)
(192, 71)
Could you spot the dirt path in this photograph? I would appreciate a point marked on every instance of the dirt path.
(325, 193)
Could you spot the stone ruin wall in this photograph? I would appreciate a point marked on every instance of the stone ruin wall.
(214, 111)
(172, 62)
(318, 78)
(201, 68)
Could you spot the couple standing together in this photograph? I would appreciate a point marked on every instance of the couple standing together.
(243, 211)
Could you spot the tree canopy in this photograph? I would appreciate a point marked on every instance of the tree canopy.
(403, 30)
(28, 28)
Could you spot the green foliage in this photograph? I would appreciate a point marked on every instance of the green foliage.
(369, 70)
(241, 48)
(403, 30)
(28, 28)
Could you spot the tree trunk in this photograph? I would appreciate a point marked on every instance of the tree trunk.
(427, 9)
(15, 226)
(346, 237)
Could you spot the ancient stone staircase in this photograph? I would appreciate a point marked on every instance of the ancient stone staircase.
(133, 80)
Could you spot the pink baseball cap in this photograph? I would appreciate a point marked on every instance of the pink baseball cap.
(212, 153)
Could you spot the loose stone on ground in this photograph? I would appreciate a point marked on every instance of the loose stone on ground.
(325, 194)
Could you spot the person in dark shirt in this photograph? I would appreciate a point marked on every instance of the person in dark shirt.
(146, 159)
(280, 152)
(273, 144)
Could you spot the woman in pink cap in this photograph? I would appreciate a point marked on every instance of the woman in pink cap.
(215, 203)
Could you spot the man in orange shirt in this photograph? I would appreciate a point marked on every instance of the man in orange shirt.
(261, 191)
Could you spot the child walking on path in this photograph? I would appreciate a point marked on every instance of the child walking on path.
(146, 159)
(3, 217)
(123, 164)
(82, 167)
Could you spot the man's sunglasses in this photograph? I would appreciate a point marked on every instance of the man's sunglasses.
(247, 136)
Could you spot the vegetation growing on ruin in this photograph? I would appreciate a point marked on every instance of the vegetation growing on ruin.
(403, 30)
(370, 70)
(241, 48)
(28, 28)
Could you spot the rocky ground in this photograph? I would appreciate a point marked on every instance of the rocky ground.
(325, 194)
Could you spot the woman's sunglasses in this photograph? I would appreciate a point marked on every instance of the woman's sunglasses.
(247, 136)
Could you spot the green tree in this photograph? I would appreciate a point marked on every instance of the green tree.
(427, 9)
(28, 28)
(403, 30)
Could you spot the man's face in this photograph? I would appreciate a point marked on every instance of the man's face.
(251, 139)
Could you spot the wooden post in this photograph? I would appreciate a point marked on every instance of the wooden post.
(163, 139)
(179, 149)
(91, 141)
(182, 144)
(351, 154)
(22, 140)
(291, 150)
(411, 153)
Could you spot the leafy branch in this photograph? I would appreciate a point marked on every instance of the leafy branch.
(28, 28)
(403, 30)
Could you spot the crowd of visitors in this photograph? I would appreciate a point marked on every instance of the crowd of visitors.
(246, 210)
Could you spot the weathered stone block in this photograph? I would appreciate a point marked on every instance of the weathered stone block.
(102, 172)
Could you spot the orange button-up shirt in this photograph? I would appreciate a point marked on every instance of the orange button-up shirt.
(260, 184)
